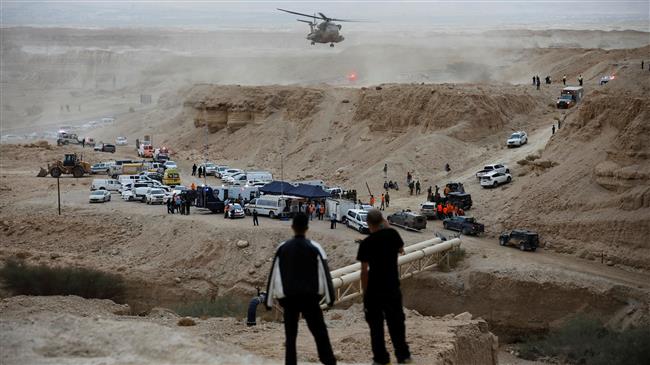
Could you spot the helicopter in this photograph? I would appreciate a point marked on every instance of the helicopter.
(323, 32)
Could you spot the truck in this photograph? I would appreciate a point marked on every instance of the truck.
(65, 138)
(340, 207)
(161, 154)
(569, 97)
(145, 150)
(209, 198)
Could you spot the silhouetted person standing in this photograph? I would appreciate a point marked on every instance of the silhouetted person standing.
(299, 279)
(553, 129)
(256, 221)
(564, 80)
(194, 170)
(382, 295)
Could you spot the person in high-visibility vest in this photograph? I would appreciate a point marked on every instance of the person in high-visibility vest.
(372, 201)
(440, 211)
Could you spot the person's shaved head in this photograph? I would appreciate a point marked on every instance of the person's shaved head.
(374, 217)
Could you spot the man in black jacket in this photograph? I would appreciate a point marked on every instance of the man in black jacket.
(299, 279)
(382, 296)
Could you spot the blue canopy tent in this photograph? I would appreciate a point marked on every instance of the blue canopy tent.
(299, 190)
(309, 191)
(277, 188)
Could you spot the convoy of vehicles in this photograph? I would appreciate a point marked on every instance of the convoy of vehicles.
(524, 239)
(465, 225)
(494, 179)
(517, 139)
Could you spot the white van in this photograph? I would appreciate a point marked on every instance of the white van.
(105, 184)
(356, 219)
(272, 205)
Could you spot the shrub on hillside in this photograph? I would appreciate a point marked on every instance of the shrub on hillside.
(587, 341)
(24, 279)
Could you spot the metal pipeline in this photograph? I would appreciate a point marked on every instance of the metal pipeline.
(408, 249)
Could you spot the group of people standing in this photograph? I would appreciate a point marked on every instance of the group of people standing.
(300, 279)
(179, 203)
(197, 170)
(547, 80)
(313, 209)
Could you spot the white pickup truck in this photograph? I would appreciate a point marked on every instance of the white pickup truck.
(488, 169)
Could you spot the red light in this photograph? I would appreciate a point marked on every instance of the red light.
(352, 76)
(613, 77)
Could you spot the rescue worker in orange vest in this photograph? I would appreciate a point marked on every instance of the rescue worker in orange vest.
(321, 212)
(372, 201)
(445, 211)
(383, 203)
(193, 186)
(439, 209)
(225, 211)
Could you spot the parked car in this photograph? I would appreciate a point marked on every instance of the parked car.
(517, 139)
(522, 238)
(155, 196)
(235, 211)
(220, 170)
(169, 164)
(499, 167)
(357, 219)
(463, 224)
(428, 209)
(121, 141)
(461, 200)
(171, 177)
(107, 148)
(100, 168)
(105, 184)
(100, 196)
(408, 220)
(229, 172)
(494, 179)
(152, 175)
(127, 194)
(209, 168)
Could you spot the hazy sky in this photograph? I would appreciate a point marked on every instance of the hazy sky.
(406, 14)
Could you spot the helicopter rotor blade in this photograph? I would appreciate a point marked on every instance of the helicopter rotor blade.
(301, 14)
(305, 21)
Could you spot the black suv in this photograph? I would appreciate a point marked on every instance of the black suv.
(465, 225)
(108, 148)
(525, 239)
(461, 200)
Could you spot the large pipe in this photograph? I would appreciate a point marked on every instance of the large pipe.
(415, 254)
(408, 249)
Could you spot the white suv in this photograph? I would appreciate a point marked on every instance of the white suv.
(155, 196)
(517, 139)
(494, 179)
(356, 218)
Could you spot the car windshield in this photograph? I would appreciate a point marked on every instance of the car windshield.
(170, 163)
(469, 220)
(97, 192)
(427, 206)
(236, 206)
(157, 191)
(566, 96)
(209, 164)
(515, 136)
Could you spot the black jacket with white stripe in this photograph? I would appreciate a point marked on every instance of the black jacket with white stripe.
(299, 270)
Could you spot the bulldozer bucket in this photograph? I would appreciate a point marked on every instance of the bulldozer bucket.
(42, 173)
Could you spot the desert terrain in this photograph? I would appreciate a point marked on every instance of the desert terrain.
(277, 105)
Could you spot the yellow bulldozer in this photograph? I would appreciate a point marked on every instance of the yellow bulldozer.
(71, 164)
